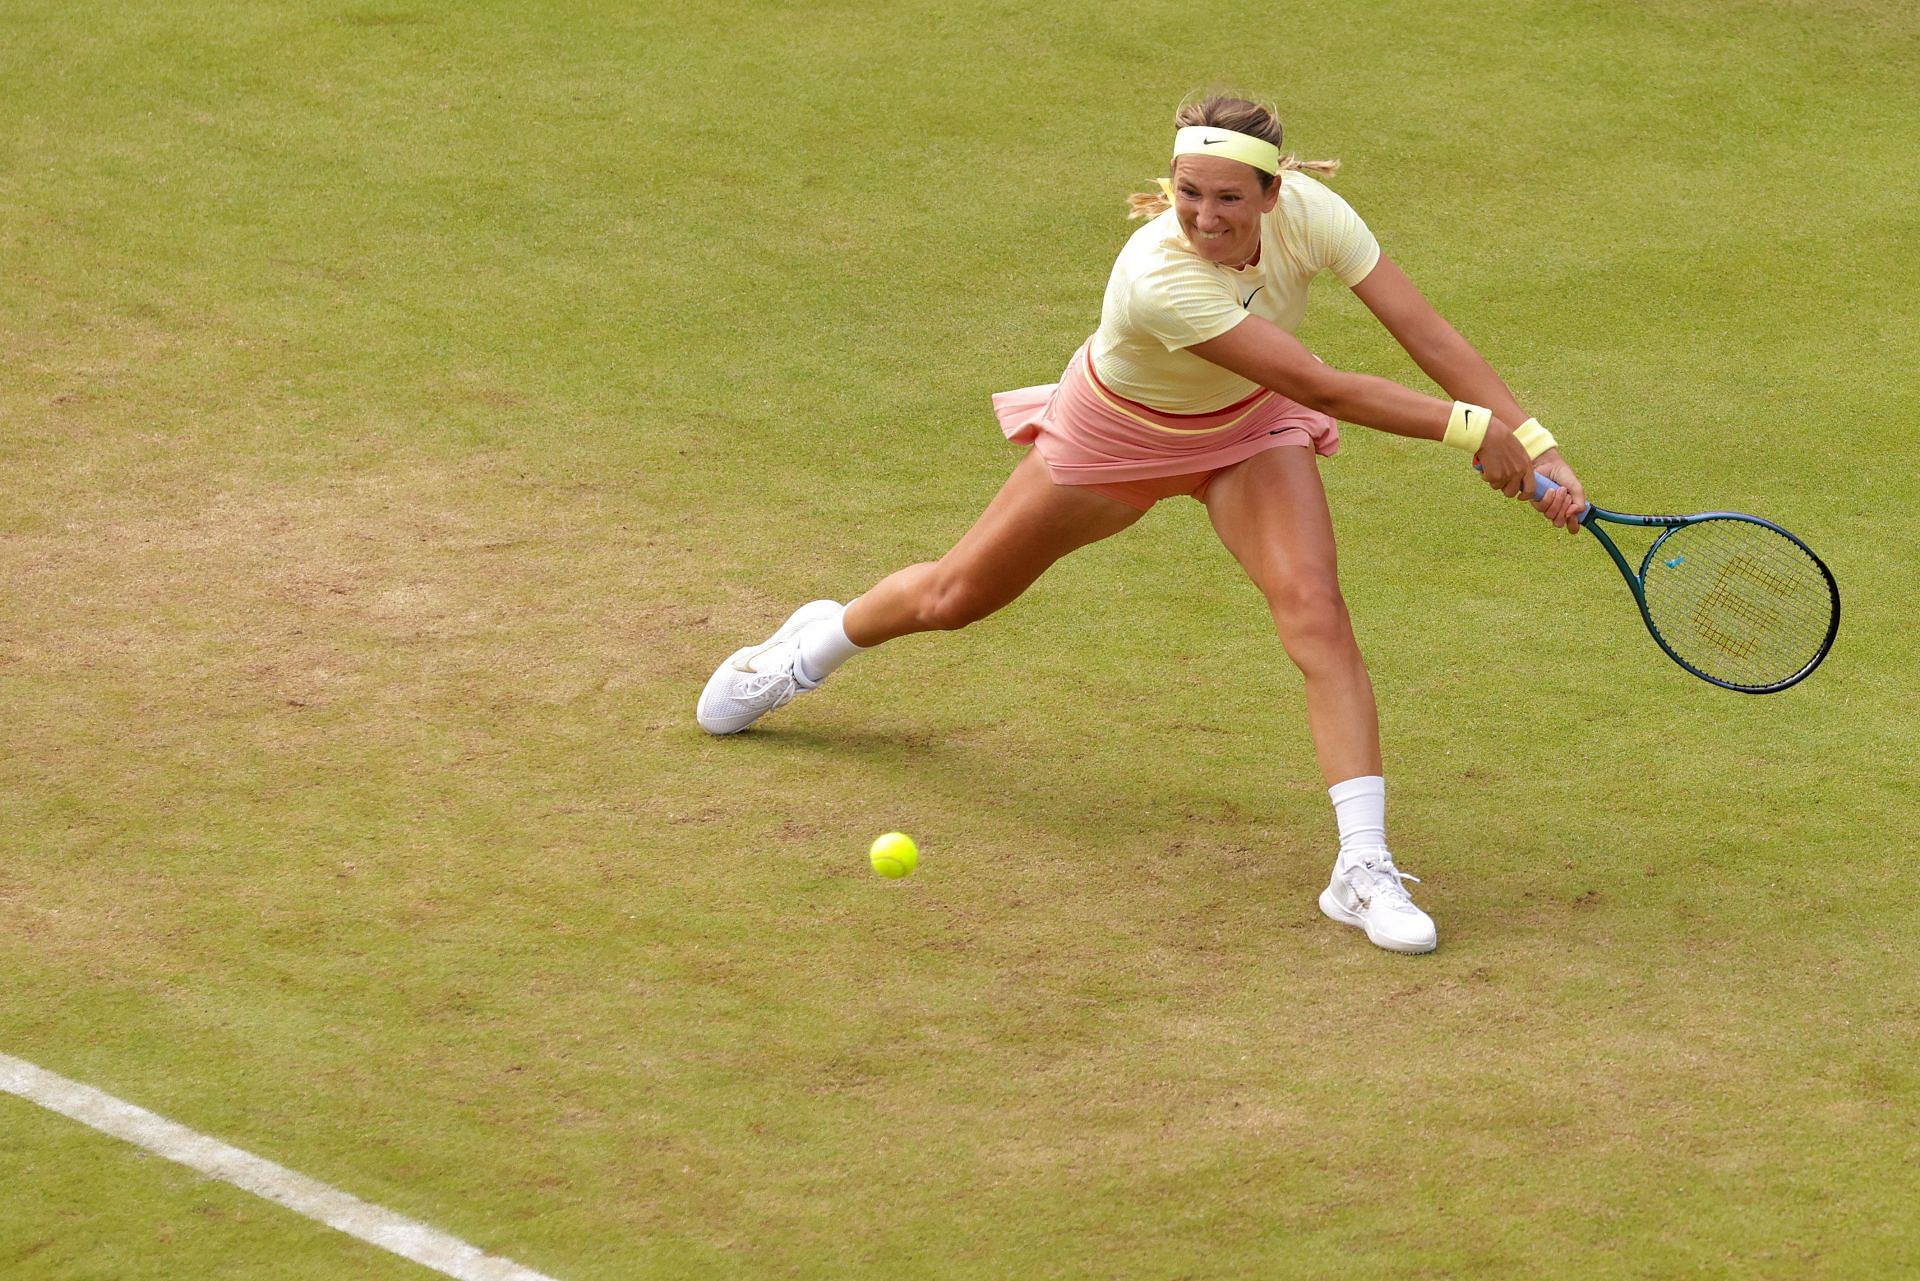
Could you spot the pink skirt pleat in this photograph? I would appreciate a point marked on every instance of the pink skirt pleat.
(1088, 435)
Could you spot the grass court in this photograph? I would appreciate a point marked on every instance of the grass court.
(406, 404)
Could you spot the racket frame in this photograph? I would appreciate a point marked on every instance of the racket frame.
(1637, 583)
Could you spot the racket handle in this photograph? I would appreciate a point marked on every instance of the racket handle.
(1543, 485)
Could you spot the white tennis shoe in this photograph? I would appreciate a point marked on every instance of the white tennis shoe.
(760, 678)
(1370, 892)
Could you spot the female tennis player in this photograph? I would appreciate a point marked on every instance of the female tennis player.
(1194, 384)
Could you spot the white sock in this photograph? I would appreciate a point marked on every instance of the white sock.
(1360, 808)
(824, 646)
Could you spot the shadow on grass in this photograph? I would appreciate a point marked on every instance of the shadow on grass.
(1076, 796)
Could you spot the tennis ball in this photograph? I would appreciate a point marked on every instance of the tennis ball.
(893, 855)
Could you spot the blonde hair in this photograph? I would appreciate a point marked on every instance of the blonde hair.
(1241, 115)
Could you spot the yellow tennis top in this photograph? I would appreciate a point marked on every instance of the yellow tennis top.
(1163, 297)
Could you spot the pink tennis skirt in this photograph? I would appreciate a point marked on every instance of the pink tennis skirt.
(1091, 436)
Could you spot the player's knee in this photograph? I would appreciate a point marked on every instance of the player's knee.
(1311, 616)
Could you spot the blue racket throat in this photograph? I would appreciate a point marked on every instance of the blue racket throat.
(1734, 599)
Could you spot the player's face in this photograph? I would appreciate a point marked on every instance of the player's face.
(1219, 203)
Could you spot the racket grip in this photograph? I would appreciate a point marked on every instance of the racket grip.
(1543, 485)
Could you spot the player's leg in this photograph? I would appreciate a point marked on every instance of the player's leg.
(1271, 513)
(1031, 523)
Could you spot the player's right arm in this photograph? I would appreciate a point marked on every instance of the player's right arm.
(1262, 352)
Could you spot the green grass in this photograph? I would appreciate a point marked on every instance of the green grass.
(405, 407)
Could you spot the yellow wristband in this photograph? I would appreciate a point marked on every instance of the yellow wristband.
(1467, 426)
(1536, 439)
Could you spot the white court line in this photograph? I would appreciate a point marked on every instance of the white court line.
(403, 1236)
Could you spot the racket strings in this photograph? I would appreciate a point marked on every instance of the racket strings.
(1739, 601)
(1736, 615)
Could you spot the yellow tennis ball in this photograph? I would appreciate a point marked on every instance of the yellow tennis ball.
(893, 855)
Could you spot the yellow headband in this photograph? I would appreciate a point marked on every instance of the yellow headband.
(1205, 140)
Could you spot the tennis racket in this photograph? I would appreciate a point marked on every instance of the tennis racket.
(1734, 599)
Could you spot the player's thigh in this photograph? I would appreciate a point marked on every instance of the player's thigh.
(1271, 512)
(1031, 523)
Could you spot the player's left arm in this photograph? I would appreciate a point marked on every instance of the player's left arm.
(1450, 360)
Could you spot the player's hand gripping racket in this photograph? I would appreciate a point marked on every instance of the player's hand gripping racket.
(1734, 599)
